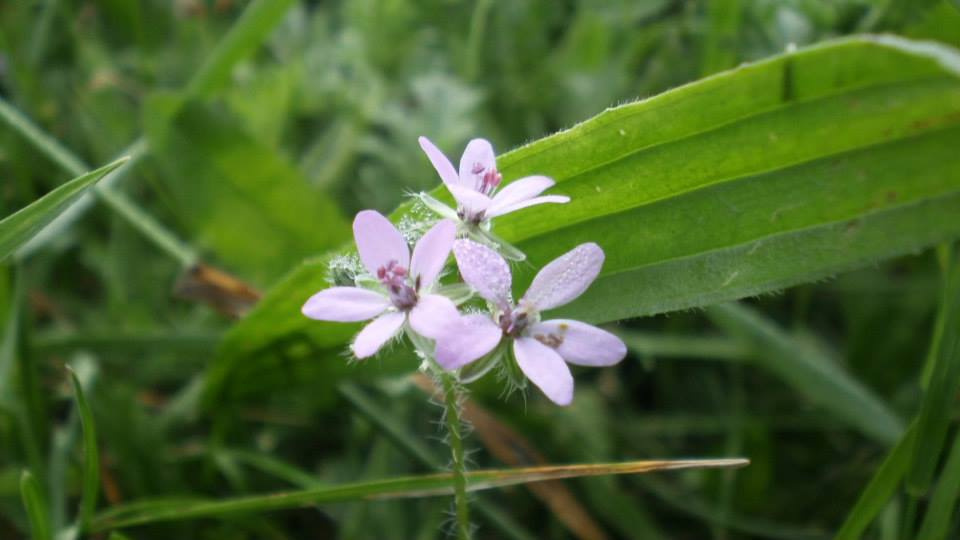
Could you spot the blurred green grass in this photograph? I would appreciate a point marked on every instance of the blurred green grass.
(257, 166)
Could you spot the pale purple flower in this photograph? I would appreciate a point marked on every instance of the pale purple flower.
(404, 285)
(540, 347)
(475, 186)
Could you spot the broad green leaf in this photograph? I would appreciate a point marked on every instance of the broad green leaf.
(91, 457)
(16, 229)
(36, 507)
(943, 505)
(406, 487)
(880, 488)
(781, 172)
(242, 198)
(817, 377)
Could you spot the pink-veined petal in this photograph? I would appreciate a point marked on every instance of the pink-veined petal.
(580, 343)
(467, 340)
(544, 367)
(379, 331)
(440, 162)
(468, 199)
(379, 242)
(477, 156)
(431, 252)
(484, 270)
(566, 277)
(432, 315)
(345, 304)
(560, 199)
(519, 191)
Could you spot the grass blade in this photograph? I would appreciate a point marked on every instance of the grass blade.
(254, 26)
(720, 45)
(880, 488)
(943, 504)
(817, 378)
(247, 34)
(934, 418)
(91, 456)
(660, 345)
(36, 506)
(17, 229)
(46, 144)
(394, 488)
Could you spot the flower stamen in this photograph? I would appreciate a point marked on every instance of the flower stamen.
(394, 278)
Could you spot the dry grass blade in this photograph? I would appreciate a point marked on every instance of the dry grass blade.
(479, 480)
(139, 513)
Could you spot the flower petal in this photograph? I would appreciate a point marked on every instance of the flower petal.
(440, 162)
(478, 155)
(544, 367)
(378, 332)
(490, 213)
(580, 343)
(468, 199)
(345, 304)
(378, 241)
(566, 277)
(432, 314)
(467, 340)
(431, 252)
(484, 270)
(519, 191)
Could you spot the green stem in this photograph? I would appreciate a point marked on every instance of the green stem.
(451, 392)
(152, 229)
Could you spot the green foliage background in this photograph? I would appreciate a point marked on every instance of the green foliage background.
(256, 129)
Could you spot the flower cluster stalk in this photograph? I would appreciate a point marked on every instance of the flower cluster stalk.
(451, 400)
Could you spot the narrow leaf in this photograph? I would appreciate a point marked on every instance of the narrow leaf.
(818, 378)
(935, 412)
(880, 488)
(680, 346)
(16, 229)
(943, 504)
(91, 456)
(36, 507)
(249, 32)
(395, 488)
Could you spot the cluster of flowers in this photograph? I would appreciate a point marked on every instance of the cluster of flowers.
(402, 294)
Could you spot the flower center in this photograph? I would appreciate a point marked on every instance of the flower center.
(396, 279)
(515, 321)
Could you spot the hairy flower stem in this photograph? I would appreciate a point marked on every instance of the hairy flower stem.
(451, 391)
